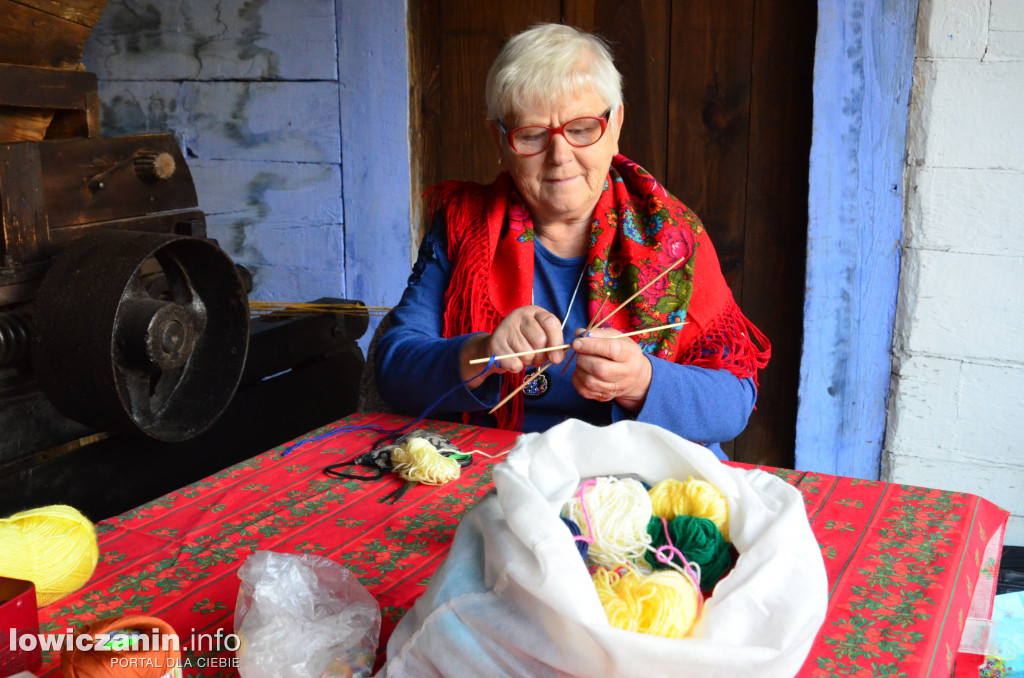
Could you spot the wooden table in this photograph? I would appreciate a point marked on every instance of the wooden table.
(903, 563)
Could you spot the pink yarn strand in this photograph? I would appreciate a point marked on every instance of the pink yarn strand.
(586, 514)
(672, 551)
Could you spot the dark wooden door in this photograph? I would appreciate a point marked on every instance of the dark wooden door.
(718, 107)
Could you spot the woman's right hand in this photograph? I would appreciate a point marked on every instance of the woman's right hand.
(526, 328)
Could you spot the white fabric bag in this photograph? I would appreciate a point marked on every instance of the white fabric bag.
(514, 598)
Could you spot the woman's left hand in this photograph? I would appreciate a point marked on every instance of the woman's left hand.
(609, 367)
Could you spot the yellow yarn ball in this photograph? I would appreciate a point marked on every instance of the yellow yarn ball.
(663, 603)
(417, 460)
(699, 498)
(54, 547)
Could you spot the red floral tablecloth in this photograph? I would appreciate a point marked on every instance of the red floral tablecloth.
(903, 562)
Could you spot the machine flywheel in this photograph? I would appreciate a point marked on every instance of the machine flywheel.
(141, 333)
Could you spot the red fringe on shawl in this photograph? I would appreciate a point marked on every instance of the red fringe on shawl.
(467, 312)
(731, 343)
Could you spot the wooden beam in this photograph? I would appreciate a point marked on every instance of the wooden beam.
(862, 76)
(708, 124)
(84, 12)
(90, 180)
(22, 204)
(24, 124)
(38, 87)
(31, 37)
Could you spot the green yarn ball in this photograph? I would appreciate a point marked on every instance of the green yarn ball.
(700, 541)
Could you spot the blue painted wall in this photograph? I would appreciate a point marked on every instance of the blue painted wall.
(293, 117)
(373, 73)
(862, 77)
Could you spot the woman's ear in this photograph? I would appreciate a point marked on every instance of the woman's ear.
(619, 112)
(616, 123)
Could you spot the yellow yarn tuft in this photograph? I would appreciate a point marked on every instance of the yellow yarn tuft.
(663, 603)
(417, 460)
(699, 498)
(54, 547)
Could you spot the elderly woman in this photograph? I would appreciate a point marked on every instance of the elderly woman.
(566, 233)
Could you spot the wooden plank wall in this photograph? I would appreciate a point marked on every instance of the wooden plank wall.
(718, 106)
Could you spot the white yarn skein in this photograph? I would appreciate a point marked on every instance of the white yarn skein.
(619, 511)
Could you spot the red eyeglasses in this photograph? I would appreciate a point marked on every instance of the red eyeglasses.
(535, 139)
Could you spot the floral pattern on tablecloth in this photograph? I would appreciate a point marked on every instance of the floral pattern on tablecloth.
(902, 562)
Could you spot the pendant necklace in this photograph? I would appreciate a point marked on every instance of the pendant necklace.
(542, 384)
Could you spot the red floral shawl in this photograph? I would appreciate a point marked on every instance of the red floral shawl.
(639, 229)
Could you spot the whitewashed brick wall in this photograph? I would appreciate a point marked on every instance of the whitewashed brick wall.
(956, 410)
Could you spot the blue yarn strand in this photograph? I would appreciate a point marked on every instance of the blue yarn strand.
(397, 431)
(581, 546)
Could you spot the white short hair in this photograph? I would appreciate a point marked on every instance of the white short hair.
(549, 63)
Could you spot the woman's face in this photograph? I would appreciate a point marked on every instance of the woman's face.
(563, 183)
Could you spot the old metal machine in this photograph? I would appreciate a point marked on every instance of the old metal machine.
(130, 318)
(119, 319)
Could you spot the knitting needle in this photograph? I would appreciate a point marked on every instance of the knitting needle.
(620, 306)
(568, 356)
(644, 288)
(480, 361)
(549, 364)
(614, 311)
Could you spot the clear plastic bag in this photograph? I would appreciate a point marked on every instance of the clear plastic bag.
(304, 616)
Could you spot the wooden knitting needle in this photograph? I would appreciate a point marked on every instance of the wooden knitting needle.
(614, 311)
(480, 361)
(590, 326)
(594, 323)
(642, 289)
